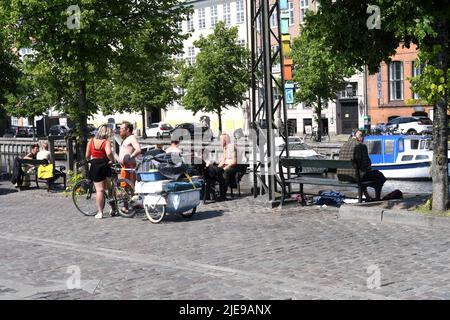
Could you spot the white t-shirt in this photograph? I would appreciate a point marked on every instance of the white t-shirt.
(44, 155)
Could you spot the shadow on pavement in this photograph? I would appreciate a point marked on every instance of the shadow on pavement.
(4, 191)
(199, 215)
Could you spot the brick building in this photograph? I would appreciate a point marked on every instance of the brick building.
(389, 91)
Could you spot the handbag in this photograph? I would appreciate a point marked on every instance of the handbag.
(45, 171)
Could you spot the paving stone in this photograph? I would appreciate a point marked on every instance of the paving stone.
(227, 250)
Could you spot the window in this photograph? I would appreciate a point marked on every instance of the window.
(241, 42)
(180, 26)
(191, 55)
(396, 80)
(416, 70)
(422, 157)
(407, 158)
(304, 6)
(201, 18)
(190, 23)
(414, 144)
(291, 13)
(389, 147)
(401, 145)
(239, 11)
(214, 16)
(374, 146)
(179, 56)
(227, 13)
(274, 19)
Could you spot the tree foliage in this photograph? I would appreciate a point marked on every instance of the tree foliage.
(318, 74)
(9, 71)
(220, 76)
(77, 58)
(347, 26)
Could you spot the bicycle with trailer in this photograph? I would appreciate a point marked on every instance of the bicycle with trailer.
(166, 187)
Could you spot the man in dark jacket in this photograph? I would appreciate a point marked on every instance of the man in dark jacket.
(355, 149)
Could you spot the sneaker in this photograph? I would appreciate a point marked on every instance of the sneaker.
(99, 215)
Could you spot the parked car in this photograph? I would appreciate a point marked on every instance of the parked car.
(196, 131)
(297, 149)
(17, 132)
(411, 125)
(380, 127)
(158, 129)
(30, 131)
(58, 130)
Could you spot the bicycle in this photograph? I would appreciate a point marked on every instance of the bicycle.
(325, 137)
(118, 195)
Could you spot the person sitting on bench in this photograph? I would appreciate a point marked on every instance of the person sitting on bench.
(34, 151)
(355, 149)
(44, 154)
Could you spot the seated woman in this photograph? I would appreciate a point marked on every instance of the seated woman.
(44, 154)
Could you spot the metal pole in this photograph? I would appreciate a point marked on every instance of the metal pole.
(268, 101)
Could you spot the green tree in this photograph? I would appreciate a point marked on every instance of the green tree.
(30, 98)
(350, 28)
(220, 76)
(9, 71)
(147, 84)
(79, 46)
(318, 73)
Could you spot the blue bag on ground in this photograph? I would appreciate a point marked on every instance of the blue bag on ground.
(330, 198)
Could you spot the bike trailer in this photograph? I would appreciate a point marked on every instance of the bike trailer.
(186, 197)
(151, 186)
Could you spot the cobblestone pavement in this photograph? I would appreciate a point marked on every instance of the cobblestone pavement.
(230, 250)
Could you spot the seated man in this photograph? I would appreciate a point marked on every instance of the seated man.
(157, 150)
(173, 148)
(355, 149)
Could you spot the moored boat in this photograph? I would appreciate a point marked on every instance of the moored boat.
(401, 156)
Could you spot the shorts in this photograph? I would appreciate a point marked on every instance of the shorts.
(128, 174)
(100, 170)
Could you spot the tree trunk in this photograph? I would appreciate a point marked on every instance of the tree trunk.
(219, 115)
(440, 132)
(319, 119)
(144, 134)
(82, 124)
(34, 129)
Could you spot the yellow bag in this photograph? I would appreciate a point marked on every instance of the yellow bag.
(45, 171)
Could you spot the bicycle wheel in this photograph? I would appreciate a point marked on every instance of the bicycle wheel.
(83, 197)
(188, 214)
(123, 193)
(155, 214)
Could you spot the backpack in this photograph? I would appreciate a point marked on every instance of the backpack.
(396, 194)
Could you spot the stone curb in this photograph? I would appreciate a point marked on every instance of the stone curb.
(382, 216)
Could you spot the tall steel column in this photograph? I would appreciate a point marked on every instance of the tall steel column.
(265, 107)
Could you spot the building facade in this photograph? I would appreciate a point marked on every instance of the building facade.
(389, 90)
(206, 13)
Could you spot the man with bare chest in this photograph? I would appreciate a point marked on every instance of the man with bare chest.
(128, 152)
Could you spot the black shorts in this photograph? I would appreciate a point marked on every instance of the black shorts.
(100, 170)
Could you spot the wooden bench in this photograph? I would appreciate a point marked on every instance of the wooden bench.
(317, 179)
(58, 172)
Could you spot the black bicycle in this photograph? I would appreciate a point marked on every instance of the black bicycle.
(118, 195)
(325, 137)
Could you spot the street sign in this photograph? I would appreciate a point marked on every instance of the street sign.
(289, 95)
